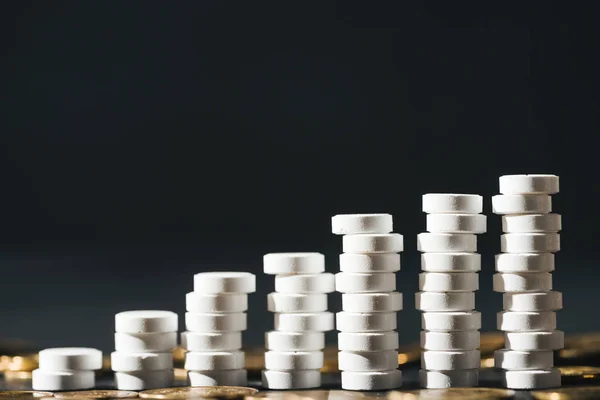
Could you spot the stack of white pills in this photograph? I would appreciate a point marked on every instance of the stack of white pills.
(524, 276)
(368, 341)
(215, 320)
(67, 368)
(144, 343)
(450, 265)
(294, 353)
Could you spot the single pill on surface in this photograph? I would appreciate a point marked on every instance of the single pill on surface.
(145, 342)
(234, 377)
(368, 341)
(293, 360)
(352, 224)
(316, 283)
(450, 360)
(372, 302)
(223, 322)
(382, 360)
(528, 223)
(448, 379)
(70, 358)
(294, 341)
(435, 301)
(216, 303)
(451, 321)
(217, 360)
(381, 380)
(144, 321)
(442, 203)
(62, 380)
(302, 322)
(514, 321)
(529, 184)
(543, 301)
(198, 341)
(224, 282)
(523, 360)
(540, 379)
(450, 262)
(346, 282)
(456, 223)
(365, 322)
(530, 243)
(281, 380)
(130, 362)
(523, 282)
(293, 263)
(532, 341)
(441, 341)
(525, 262)
(373, 243)
(296, 302)
(446, 242)
(448, 281)
(382, 262)
(521, 204)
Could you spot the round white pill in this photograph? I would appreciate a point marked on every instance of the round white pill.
(293, 360)
(442, 203)
(352, 224)
(451, 321)
(525, 282)
(296, 302)
(224, 282)
(528, 223)
(455, 301)
(197, 341)
(450, 360)
(381, 360)
(281, 380)
(67, 358)
(456, 223)
(521, 204)
(216, 303)
(525, 262)
(530, 243)
(382, 262)
(373, 380)
(545, 301)
(234, 377)
(441, 341)
(62, 380)
(515, 321)
(142, 380)
(523, 360)
(448, 379)
(143, 321)
(448, 281)
(450, 262)
(446, 242)
(365, 322)
(540, 379)
(145, 342)
(533, 341)
(372, 302)
(373, 243)
(223, 322)
(316, 283)
(216, 360)
(368, 341)
(529, 184)
(294, 341)
(293, 263)
(346, 282)
(130, 362)
(303, 322)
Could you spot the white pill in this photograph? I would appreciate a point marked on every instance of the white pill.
(216, 303)
(368, 341)
(294, 341)
(372, 302)
(448, 281)
(531, 341)
(303, 322)
(529, 184)
(530, 243)
(281, 380)
(235, 377)
(540, 379)
(442, 203)
(523, 360)
(382, 262)
(441, 341)
(450, 360)
(525, 282)
(456, 223)
(544, 301)
(296, 302)
(142, 380)
(143, 321)
(455, 301)
(224, 282)
(448, 379)
(62, 380)
(130, 362)
(352, 224)
(365, 322)
(197, 341)
(446, 242)
(521, 204)
(450, 262)
(293, 360)
(317, 283)
(293, 263)
(531, 223)
(381, 360)
(373, 243)
(66, 358)
(451, 321)
(346, 282)
(515, 321)
(525, 262)
(374, 380)
(215, 360)
(229, 322)
(145, 342)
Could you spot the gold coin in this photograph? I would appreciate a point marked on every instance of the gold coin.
(255, 360)
(24, 394)
(17, 375)
(397, 395)
(490, 342)
(330, 359)
(26, 362)
(205, 392)
(97, 394)
(465, 393)
(568, 393)
(409, 354)
(579, 375)
(179, 357)
(180, 374)
(580, 347)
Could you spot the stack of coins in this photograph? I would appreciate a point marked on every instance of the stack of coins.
(144, 343)
(294, 354)
(67, 368)
(524, 276)
(215, 320)
(367, 341)
(450, 265)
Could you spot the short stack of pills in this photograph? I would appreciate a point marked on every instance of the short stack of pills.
(215, 320)
(294, 353)
(524, 276)
(368, 340)
(144, 343)
(67, 368)
(450, 265)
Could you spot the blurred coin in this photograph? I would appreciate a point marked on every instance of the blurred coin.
(568, 393)
(465, 393)
(205, 392)
(490, 342)
(178, 357)
(255, 360)
(330, 359)
(578, 349)
(27, 362)
(487, 362)
(17, 375)
(409, 354)
(397, 395)
(579, 374)
(97, 394)
(24, 394)
(180, 374)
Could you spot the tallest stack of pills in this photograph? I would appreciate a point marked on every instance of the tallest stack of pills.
(529, 319)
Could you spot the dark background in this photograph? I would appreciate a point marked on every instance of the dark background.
(148, 141)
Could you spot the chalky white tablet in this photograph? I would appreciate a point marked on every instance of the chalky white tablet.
(145, 342)
(448, 281)
(294, 341)
(372, 302)
(199, 341)
(62, 380)
(214, 360)
(455, 301)
(537, 379)
(293, 360)
(446, 242)
(530, 243)
(293, 263)
(525, 262)
(521, 204)
(451, 321)
(450, 262)
(143, 321)
(531, 223)
(525, 282)
(463, 340)
(302, 322)
(544, 301)
(142, 380)
(352, 224)
(450, 360)
(296, 302)
(365, 322)
(517, 321)
(529, 184)
(531, 341)
(216, 303)
(281, 380)
(448, 379)
(442, 203)
(235, 377)
(523, 360)
(67, 358)
(381, 360)
(224, 282)
(222, 322)
(130, 362)
(373, 243)
(316, 283)
(372, 380)
(373, 341)
(456, 223)
(381, 262)
(346, 282)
